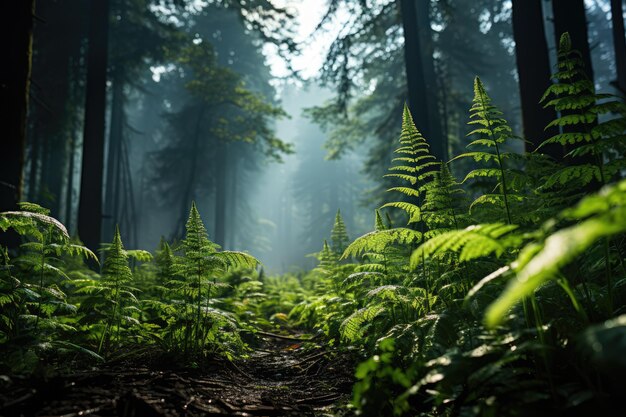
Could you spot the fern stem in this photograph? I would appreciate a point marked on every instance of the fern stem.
(504, 188)
(41, 277)
(609, 278)
(542, 339)
(564, 284)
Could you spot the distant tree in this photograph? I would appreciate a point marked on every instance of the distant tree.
(220, 110)
(533, 68)
(619, 43)
(90, 205)
(365, 66)
(16, 33)
(420, 73)
(128, 61)
(54, 124)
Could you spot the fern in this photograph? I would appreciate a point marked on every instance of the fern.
(493, 132)
(339, 236)
(443, 208)
(604, 216)
(116, 277)
(379, 240)
(353, 327)
(416, 166)
(589, 139)
(471, 243)
(194, 278)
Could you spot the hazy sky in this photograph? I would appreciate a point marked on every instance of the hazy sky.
(309, 13)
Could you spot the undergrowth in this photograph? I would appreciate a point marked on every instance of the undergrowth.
(506, 298)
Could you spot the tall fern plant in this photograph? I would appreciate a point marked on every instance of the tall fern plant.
(596, 143)
(195, 279)
(492, 133)
(35, 306)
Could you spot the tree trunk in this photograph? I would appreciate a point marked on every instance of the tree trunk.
(619, 43)
(57, 39)
(113, 183)
(233, 198)
(33, 171)
(437, 140)
(188, 195)
(420, 74)
(69, 192)
(220, 193)
(533, 68)
(17, 36)
(569, 16)
(90, 205)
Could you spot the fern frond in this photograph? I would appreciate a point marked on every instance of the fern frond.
(235, 259)
(412, 210)
(537, 263)
(470, 243)
(379, 240)
(353, 327)
(410, 192)
(27, 215)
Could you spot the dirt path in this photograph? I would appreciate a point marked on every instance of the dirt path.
(281, 378)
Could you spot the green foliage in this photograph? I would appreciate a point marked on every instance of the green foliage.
(599, 217)
(339, 235)
(197, 325)
(110, 307)
(444, 203)
(486, 310)
(492, 132)
(415, 165)
(475, 313)
(473, 242)
(35, 309)
(595, 146)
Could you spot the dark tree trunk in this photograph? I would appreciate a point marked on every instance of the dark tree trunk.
(69, 193)
(90, 205)
(437, 140)
(33, 171)
(220, 193)
(420, 74)
(569, 16)
(16, 33)
(233, 199)
(533, 68)
(619, 43)
(113, 183)
(57, 41)
(188, 195)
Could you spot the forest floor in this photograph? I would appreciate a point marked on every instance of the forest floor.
(280, 378)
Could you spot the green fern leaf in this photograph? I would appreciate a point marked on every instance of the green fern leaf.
(538, 263)
(379, 240)
(411, 209)
(353, 327)
(470, 243)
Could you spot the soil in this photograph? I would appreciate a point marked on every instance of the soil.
(280, 378)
